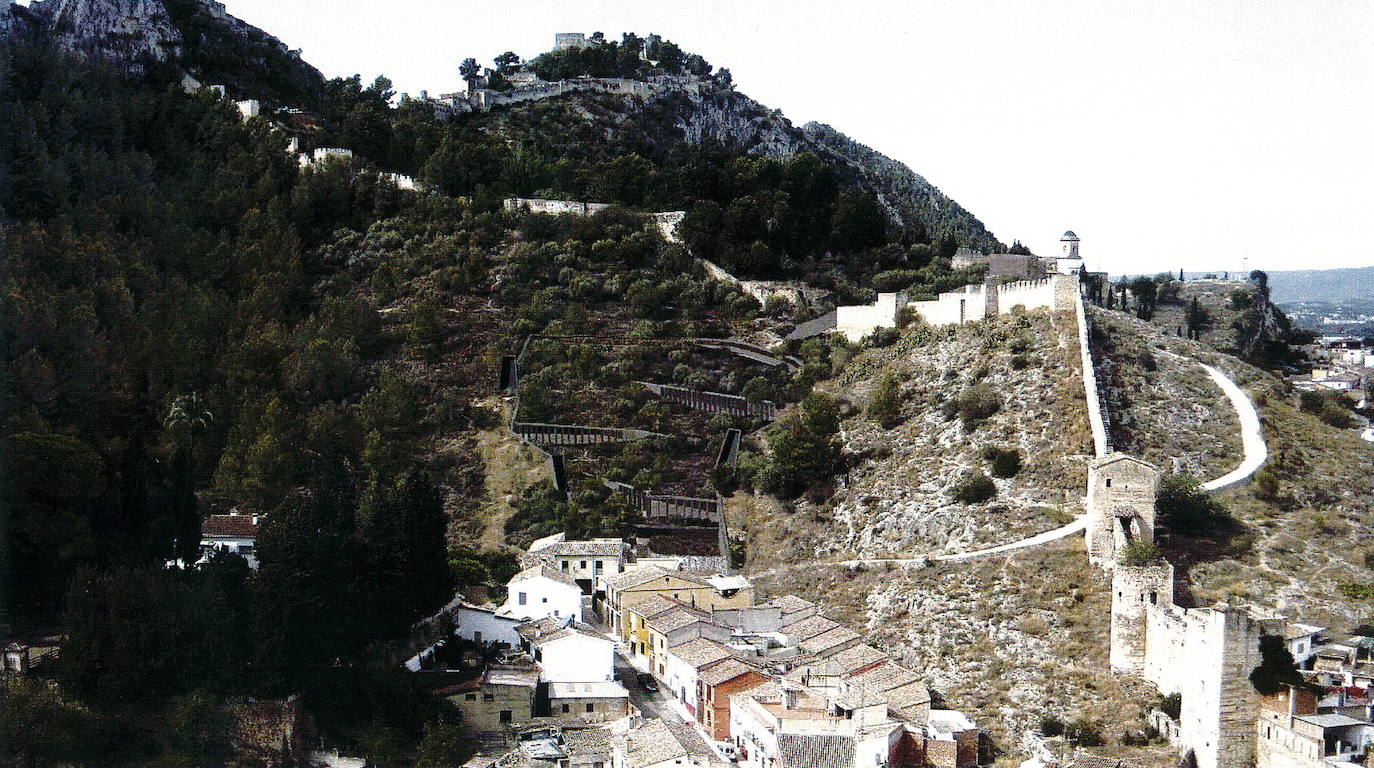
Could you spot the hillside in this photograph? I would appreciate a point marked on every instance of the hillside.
(198, 322)
(1004, 647)
(1295, 543)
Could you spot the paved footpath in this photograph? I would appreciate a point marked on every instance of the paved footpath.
(1252, 440)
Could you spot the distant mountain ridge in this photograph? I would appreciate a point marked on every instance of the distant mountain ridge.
(1322, 284)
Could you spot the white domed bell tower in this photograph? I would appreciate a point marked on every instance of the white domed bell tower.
(1069, 262)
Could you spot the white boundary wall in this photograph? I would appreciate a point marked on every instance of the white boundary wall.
(1099, 427)
(856, 322)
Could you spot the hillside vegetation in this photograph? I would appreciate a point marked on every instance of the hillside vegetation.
(196, 323)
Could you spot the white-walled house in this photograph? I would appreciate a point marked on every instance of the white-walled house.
(233, 532)
(1303, 640)
(569, 651)
(483, 625)
(682, 664)
(541, 591)
(584, 560)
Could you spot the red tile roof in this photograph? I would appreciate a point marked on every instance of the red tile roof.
(229, 526)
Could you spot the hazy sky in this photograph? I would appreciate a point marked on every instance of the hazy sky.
(1166, 133)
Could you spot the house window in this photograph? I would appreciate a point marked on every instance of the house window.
(565, 565)
(521, 597)
(543, 599)
(591, 707)
(1109, 482)
(505, 716)
(470, 697)
(566, 709)
(582, 564)
(599, 565)
(488, 697)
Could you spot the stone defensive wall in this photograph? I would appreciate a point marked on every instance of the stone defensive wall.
(1093, 394)
(762, 290)
(670, 507)
(654, 87)
(554, 207)
(967, 304)
(572, 435)
(713, 402)
(751, 351)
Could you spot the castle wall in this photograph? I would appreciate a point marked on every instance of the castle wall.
(1094, 399)
(1137, 592)
(554, 207)
(856, 322)
(1166, 649)
(1220, 706)
(1028, 294)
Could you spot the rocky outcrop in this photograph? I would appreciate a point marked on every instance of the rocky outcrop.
(730, 118)
(131, 32)
(906, 195)
(733, 119)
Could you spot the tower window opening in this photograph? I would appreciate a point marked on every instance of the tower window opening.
(1154, 598)
(1109, 482)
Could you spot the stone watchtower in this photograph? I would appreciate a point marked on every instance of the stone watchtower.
(1121, 506)
(1137, 590)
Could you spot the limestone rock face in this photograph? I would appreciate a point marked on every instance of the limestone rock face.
(733, 119)
(15, 20)
(122, 31)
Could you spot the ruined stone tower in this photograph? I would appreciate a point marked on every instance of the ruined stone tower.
(1137, 591)
(1220, 705)
(1121, 505)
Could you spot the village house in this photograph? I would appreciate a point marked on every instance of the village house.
(784, 726)
(578, 666)
(682, 665)
(548, 746)
(1292, 734)
(676, 626)
(1303, 640)
(642, 582)
(716, 683)
(500, 696)
(482, 624)
(584, 561)
(541, 591)
(591, 702)
(233, 532)
(569, 651)
(663, 744)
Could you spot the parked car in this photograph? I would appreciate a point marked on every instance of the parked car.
(647, 682)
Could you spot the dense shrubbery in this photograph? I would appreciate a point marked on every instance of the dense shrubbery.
(973, 487)
(1331, 407)
(1188, 510)
(803, 446)
(885, 406)
(974, 405)
(1139, 553)
(1003, 462)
